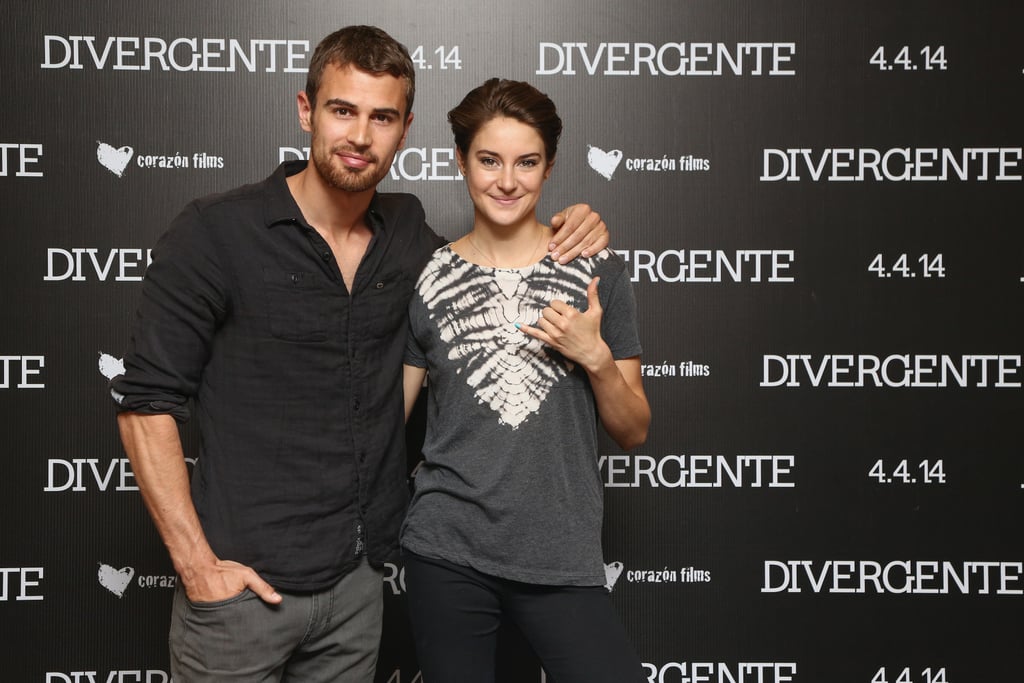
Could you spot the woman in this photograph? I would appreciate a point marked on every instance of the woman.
(506, 517)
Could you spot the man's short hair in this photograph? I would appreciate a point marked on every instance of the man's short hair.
(366, 48)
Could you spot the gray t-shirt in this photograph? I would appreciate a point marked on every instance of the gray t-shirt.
(510, 483)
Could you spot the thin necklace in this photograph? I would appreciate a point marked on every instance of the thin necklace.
(533, 255)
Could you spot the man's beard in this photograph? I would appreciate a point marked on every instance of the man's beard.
(343, 178)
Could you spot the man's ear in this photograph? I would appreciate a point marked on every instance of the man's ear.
(405, 134)
(305, 108)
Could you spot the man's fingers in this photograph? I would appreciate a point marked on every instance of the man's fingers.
(571, 216)
(574, 235)
(571, 226)
(558, 220)
(599, 239)
(586, 241)
(263, 589)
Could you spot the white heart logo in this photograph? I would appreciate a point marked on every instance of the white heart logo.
(110, 367)
(603, 162)
(611, 574)
(114, 160)
(115, 580)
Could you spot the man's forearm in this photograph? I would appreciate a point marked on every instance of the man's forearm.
(154, 448)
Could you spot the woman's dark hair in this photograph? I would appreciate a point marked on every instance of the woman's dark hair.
(517, 100)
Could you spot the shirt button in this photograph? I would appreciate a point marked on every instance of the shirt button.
(380, 285)
(326, 256)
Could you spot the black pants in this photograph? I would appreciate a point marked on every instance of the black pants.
(456, 611)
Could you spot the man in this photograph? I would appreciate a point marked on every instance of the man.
(280, 308)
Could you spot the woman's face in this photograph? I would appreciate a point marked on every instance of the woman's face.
(505, 169)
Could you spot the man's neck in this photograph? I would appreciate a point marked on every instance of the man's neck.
(327, 208)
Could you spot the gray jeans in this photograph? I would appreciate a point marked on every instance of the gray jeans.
(333, 635)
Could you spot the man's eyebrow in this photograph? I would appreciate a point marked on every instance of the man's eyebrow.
(391, 111)
(338, 102)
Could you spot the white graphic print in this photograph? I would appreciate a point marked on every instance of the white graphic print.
(115, 580)
(612, 572)
(113, 159)
(475, 308)
(110, 367)
(603, 162)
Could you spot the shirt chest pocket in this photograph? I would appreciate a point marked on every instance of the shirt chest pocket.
(297, 305)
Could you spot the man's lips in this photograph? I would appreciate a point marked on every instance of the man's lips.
(353, 160)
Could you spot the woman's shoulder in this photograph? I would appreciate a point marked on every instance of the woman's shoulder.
(604, 263)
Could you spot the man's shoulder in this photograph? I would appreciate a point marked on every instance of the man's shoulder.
(609, 260)
(399, 204)
(403, 213)
(604, 263)
(240, 196)
(219, 216)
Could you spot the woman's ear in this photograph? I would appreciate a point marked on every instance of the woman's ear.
(547, 171)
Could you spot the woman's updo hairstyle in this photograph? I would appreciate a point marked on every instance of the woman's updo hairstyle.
(517, 100)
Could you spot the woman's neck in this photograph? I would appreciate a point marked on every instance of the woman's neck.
(507, 247)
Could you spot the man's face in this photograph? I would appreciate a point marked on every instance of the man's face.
(357, 126)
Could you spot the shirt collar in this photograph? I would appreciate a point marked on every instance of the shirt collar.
(279, 206)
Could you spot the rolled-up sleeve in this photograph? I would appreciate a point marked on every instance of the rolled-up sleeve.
(183, 301)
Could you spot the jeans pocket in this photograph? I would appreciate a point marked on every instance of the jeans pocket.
(245, 594)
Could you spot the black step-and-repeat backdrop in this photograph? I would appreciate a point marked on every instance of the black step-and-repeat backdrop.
(820, 205)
